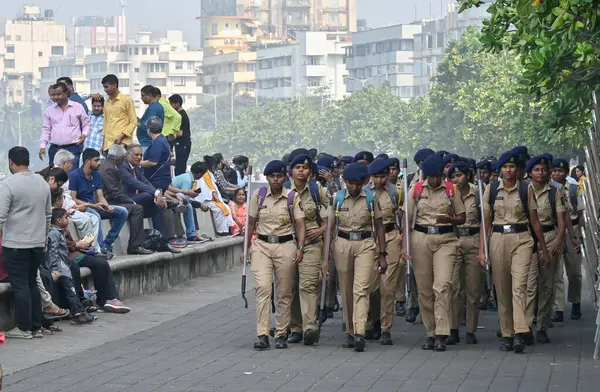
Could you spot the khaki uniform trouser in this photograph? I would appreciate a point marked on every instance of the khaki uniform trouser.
(383, 287)
(510, 256)
(433, 259)
(268, 260)
(540, 286)
(305, 292)
(467, 284)
(571, 262)
(354, 261)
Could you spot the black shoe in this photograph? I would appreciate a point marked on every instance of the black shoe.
(440, 343)
(386, 339)
(411, 315)
(429, 343)
(576, 312)
(295, 337)
(311, 336)
(280, 342)
(454, 338)
(471, 338)
(542, 336)
(359, 343)
(400, 308)
(262, 343)
(499, 333)
(336, 307)
(507, 345)
(558, 317)
(528, 338)
(519, 343)
(139, 250)
(349, 343)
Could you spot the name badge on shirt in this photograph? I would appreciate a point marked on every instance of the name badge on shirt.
(344, 209)
(499, 197)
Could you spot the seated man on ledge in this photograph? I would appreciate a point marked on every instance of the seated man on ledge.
(112, 186)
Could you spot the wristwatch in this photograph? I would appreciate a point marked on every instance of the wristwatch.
(157, 192)
(301, 249)
(384, 253)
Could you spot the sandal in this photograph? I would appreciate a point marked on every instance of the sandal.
(62, 313)
(55, 328)
(91, 308)
(47, 331)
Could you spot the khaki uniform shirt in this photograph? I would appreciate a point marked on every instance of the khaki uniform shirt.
(471, 207)
(309, 205)
(432, 203)
(354, 214)
(385, 204)
(545, 208)
(273, 217)
(508, 209)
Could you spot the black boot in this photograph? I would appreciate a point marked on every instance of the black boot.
(429, 343)
(310, 337)
(386, 339)
(295, 337)
(558, 317)
(471, 338)
(528, 337)
(411, 315)
(262, 343)
(519, 343)
(400, 308)
(542, 336)
(454, 338)
(369, 334)
(507, 344)
(359, 343)
(281, 342)
(440, 343)
(349, 343)
(377, 330)
(576, 312)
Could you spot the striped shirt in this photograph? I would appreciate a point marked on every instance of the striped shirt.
(95, 139)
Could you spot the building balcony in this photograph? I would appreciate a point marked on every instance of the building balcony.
(297, 4)
(315, 70)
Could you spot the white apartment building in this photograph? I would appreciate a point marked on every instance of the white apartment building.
(29, 41)
(314, 65)
(380, 55)
(165, 63)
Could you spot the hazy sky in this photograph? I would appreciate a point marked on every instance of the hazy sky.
(160, 14)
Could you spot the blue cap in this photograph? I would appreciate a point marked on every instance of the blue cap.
(422, 154)
(549, 157)
(560, 163)
(442, 153)
(494, 167)
(345, 160)
(462, 159)
(298, 151)
(386, 156)
(449, 158)
(319, 168)
(356, 172)
(395, 163)
(363, 156)
(276, 166)
(433, 165)
(485, 165)
(458, 167)
(508, 157)
(472, 163)
(522, 155)
(301, 160)
(327, 162)
(379, 166)
(314, 168)
(537, 160)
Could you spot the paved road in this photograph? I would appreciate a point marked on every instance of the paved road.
(210, 349)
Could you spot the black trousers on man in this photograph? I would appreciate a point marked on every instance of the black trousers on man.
(182, 153)
(22, 266)
(104, 282)
(136, 224)
(151, 210)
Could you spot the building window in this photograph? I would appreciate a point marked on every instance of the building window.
(429, 41)
(144, 51)
(162, 82)
(251, 67)
(9, 63)
(10, 49)
(40, 54)
(178, 64)
(214, 29)
(179, 81)
(151, 50)
(18, 38)
(191, 65)
(314, 82)
(123, 82)
(406, 91)
(58, 51)
(130, 51)
(315, 60)
(136, 51)
(440, 40)
(136, 70)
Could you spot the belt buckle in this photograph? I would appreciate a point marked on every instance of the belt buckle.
(355, 236)
(272, 239)
(508, 229)
(433, 230)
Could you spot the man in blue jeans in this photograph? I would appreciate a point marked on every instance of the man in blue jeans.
(85, 185)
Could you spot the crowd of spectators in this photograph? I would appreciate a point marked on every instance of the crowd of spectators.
(51, 221)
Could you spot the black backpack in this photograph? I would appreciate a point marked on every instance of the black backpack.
(155, 241)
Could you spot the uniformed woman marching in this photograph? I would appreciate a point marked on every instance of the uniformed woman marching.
(275, 251)
(434, 206)
(510, 207)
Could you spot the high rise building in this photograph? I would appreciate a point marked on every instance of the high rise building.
(99, 31)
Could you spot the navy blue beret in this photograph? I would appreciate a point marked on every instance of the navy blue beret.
(560, 163)
(484, 165)
(345, 160)
(395, 163)
(379, 165)
(522, 154)
(386, 156)
(508, 157)
(276, 166)
(301, 160)
(450, 158)
(363, 156)
(537, 160)
(327, 162)
(319, 168)
(494, 167)
(472, 163)
(442, 153)
(433, 165)
(462, 159)
(314, 168)
(356, 172)
(422, 154)
(458, 167)
(549, 157)
(298, 151)
(286, 159)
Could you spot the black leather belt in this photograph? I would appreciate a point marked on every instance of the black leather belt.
(275, 239)
(575, 222)
(434, 229)
(510, 229)
(390, 227)
(468, 231)
(354, 235)
(546, 229)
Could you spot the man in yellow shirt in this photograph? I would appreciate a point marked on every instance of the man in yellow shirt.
(172, 123)
(120, 119)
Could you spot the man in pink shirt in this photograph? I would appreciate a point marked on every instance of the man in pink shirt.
(65, 126)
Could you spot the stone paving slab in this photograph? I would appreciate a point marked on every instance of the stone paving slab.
(210, 349)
